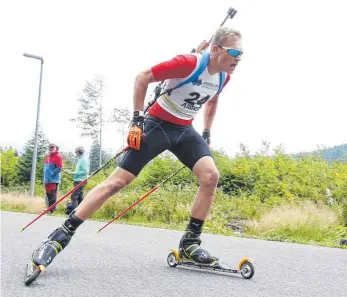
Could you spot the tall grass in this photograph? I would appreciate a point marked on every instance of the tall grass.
(306, 222)
(303, 222)
(24, 203)
(21, 202)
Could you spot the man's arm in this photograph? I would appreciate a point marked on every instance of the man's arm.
(178, 67)
(138, 122)
(76, 169)
(81, 168)
(84, 167)
(58, 165)
(210, 112)
(142, 81)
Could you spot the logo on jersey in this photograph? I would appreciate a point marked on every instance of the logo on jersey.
(211, 86)
(206, 84)
(197, 82)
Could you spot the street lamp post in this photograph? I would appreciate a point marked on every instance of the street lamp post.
(33, 167)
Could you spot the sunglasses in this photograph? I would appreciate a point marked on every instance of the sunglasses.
(231, 51)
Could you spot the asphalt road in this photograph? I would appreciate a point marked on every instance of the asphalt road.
(131, 261)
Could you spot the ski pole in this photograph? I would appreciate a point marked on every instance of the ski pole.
(142, 198)
(75, 188)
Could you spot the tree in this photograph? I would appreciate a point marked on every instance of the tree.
(8, 165)
(89, 115)
(24, 163)
(244, 151)
(122, 117)
(94, 156)
(69, 159)
(66, 182)
(265, 148)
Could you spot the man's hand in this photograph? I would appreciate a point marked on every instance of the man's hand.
(135, 132)
(207, 136)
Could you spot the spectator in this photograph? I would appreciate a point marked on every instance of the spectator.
(80, 174)
(51, 174)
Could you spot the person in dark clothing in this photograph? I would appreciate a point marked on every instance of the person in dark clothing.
(80, 174)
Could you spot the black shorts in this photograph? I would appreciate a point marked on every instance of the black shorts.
(183, 141)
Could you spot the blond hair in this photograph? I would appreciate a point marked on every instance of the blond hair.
(222, 33)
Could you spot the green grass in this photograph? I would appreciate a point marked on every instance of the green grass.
(275, 219)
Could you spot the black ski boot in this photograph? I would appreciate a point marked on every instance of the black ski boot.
(190, 250)
(47, 251)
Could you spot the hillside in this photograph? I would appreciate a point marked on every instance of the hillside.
(336, 153)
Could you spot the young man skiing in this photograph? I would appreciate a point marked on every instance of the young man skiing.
(167, 127)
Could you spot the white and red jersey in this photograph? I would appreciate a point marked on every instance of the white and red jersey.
(182, 104)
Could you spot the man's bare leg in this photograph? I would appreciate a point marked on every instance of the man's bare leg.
(208, 176)
(189, 247)
(61, 236)
(119, 179)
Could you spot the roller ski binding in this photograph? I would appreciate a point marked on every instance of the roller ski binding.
(190, 254)
(190, 250)
(44, 255)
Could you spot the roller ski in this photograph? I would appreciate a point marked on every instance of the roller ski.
(190, 254)
(47, 251)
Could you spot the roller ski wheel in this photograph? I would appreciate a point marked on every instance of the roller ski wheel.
(32, 272)
(172, 260)
(247, 270)
(245, 267)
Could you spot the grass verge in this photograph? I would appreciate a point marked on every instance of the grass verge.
(301, 222)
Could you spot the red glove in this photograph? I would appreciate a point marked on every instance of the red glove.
(135, 132)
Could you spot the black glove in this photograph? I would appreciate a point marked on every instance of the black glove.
(207, 136)
(138, 121)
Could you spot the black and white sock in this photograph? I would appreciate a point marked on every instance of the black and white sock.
(195, 225)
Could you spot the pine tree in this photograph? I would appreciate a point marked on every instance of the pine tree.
(25, 160)
(94, 156)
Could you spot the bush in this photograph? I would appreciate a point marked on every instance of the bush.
(277, 196)
(344, 213)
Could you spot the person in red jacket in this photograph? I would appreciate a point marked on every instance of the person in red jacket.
(51, 174)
